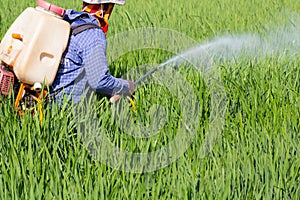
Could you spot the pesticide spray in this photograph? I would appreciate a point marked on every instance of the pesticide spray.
(204, 57)
(282, 43)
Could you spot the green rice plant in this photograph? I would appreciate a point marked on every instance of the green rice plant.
(255, 157)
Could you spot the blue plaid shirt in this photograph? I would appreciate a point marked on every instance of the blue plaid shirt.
(84, 65)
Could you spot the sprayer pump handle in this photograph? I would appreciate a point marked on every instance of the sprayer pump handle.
(51, 7)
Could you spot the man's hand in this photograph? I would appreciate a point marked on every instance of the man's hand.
(129, 92)
(114, 98)
(131, 87)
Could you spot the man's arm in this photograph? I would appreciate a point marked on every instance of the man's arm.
(96, 68)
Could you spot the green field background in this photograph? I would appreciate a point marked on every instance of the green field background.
(256, 156)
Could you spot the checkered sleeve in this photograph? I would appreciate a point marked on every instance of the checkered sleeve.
(96, 66)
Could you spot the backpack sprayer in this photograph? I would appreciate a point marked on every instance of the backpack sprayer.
(30, 54)
(29, 59)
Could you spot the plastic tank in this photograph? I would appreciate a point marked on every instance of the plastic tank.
(34, 44)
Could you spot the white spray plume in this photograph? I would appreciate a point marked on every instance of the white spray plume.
(284, 42)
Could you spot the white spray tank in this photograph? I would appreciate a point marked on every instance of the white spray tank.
(34, 44)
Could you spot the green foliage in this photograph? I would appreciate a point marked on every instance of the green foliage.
(256, 156)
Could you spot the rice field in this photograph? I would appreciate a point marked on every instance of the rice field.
(97, 151)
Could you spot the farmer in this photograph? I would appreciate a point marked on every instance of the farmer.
(84, 65)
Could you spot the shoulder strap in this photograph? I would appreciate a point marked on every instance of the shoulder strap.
(82, 27)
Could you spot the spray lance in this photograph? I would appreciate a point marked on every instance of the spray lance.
(154, 69)
(150, 72)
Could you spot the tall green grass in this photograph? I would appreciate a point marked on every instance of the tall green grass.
(255, 157)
